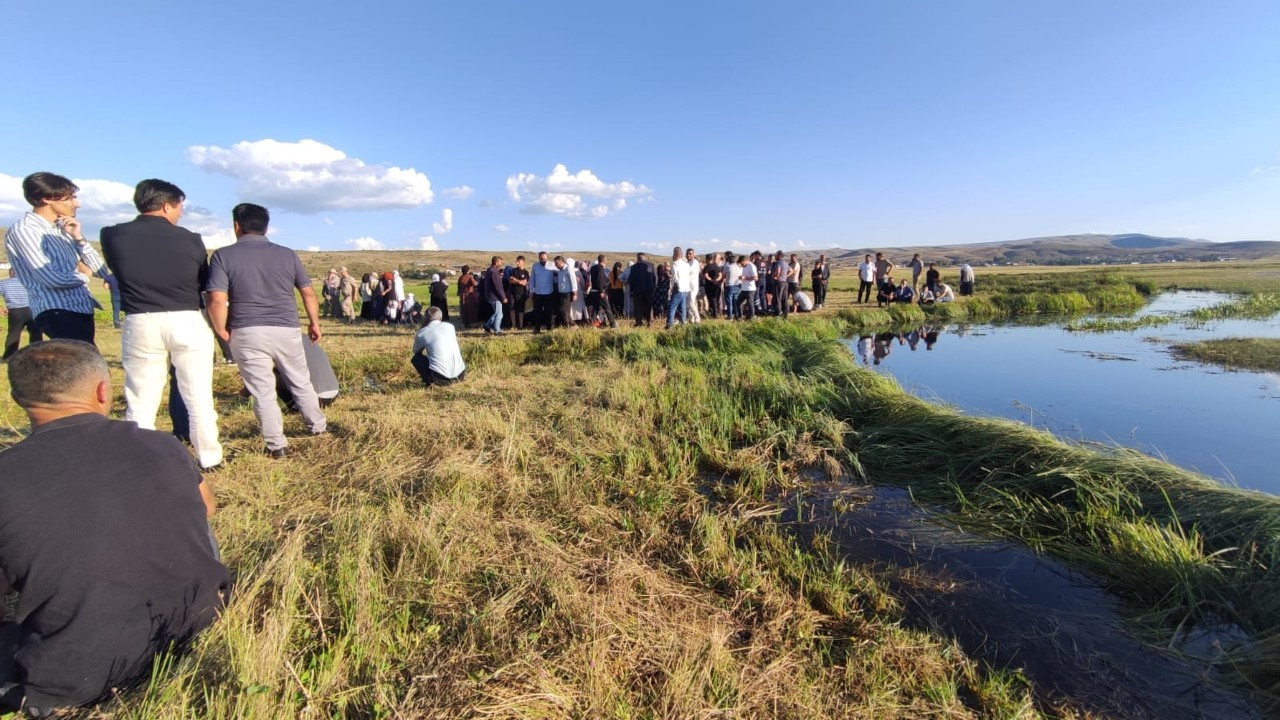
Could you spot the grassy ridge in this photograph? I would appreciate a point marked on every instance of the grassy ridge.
(1236, 353)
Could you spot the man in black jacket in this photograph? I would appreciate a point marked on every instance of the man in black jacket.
(162, 269)
(598, 296)
(641, 282)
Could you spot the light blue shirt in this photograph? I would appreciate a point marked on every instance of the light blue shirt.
(440, 341)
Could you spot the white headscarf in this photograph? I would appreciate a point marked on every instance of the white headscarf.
(435, 277)
(397, 285)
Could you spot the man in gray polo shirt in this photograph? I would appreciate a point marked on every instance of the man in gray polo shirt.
(258, 278)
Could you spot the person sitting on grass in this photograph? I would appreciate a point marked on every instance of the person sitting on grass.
(885, 292)
(904, 294)
(104, 534)
(944, 293)
(926, 296)
(436, 355)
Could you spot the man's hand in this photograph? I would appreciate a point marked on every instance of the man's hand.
(71, 226)
(223, 335)
(4, 312)
(313, 331)
(504, 301)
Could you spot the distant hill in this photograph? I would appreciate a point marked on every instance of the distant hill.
(1091, 249)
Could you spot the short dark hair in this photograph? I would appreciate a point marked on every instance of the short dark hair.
(251, 218)
(640, 257)
(39, 188)
(600, 258)
(42, 372)
(151, 195)
(558, 258)
(519, 258)
(495, 260)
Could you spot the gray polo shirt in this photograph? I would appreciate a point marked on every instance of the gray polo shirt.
(259, 278)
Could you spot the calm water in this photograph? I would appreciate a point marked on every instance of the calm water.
(1119, 387)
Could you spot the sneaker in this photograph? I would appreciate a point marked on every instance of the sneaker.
(278, 453)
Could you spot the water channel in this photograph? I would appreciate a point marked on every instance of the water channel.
(1120, 387)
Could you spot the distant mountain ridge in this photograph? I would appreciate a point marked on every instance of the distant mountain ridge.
(1085, 249)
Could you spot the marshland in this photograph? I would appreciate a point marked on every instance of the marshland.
(636, 523)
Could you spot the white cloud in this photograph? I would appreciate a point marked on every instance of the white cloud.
(801, 243)
(328, 221)
(365, 243)
(309, 176)
(108, 202)
(579, 196)
(446, 223)
(500, 227)
(313, 248)
(544, 246)
(427, 242)
(713, 241)
(655, 245)
(462, 192)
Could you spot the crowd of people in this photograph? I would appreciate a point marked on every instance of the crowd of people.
(93, 615)
(876, 277)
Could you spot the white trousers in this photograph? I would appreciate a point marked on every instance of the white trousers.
(694, 315)
(149, 343)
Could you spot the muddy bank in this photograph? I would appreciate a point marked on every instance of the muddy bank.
(1016, 610)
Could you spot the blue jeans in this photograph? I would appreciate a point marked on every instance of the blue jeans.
(679, 300)
(494, 323)
(734, 292)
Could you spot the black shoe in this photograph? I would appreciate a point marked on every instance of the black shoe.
(278, 453)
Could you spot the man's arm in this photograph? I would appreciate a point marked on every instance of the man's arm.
(28, 244)
(218, 313)
(312, 307)
(206, 494)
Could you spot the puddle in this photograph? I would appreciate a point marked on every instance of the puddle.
(1013, 609)
(1109, 387)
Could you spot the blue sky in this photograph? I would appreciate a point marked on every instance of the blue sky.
(731, 124)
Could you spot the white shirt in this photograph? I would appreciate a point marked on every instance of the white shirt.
(733, 276)
(440, 341)
(695, 273)
(566, 279)
(867, 272)
(683, 276)
(802, 301)
(749, 276)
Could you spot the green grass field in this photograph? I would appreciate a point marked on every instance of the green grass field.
(583, 529)
(1235, 353)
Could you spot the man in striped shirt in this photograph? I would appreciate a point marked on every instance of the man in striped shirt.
(17, 307)
(45, 246)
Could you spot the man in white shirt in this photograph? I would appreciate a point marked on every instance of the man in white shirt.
(695, 270)
(748, 279)
(733, 286)
(866, 279)
(682, 280)
(436, 355)
(542, 287)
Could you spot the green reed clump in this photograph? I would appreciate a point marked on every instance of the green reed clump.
(1262, 354)
(1119, 324)
(1259, 305)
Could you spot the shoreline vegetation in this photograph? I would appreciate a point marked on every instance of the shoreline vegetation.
(584, 529)
(1259, 354)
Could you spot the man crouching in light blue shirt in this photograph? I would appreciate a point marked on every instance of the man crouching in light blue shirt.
(436, 355)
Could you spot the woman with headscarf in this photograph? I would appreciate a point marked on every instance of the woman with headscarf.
(332, 305)
(386, 289)
(468, 297)
(662, 291)
(440, 296)
(616, 286)
(366, 297)
(578, 308)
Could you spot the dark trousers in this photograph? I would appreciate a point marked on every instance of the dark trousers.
(563, 304)
(713, 300)
(517, 310)
(868, 287)
(20, 319)
(966, 288)
(782, 298)
(598, 303)
(642, 308)
(429, 376)
(11, 692)
(819, 292)
(543, 312)
(444, 309)
(617, 301)
(747, 299)
(66, 325)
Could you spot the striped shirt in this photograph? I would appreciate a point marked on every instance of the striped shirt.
(45, 259)
(15, 296)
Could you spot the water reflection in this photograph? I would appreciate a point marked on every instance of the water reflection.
(1113, 387)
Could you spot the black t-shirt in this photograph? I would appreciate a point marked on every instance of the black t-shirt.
(518, 291)
(931, 277)
(160, 266)
(104, 536)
